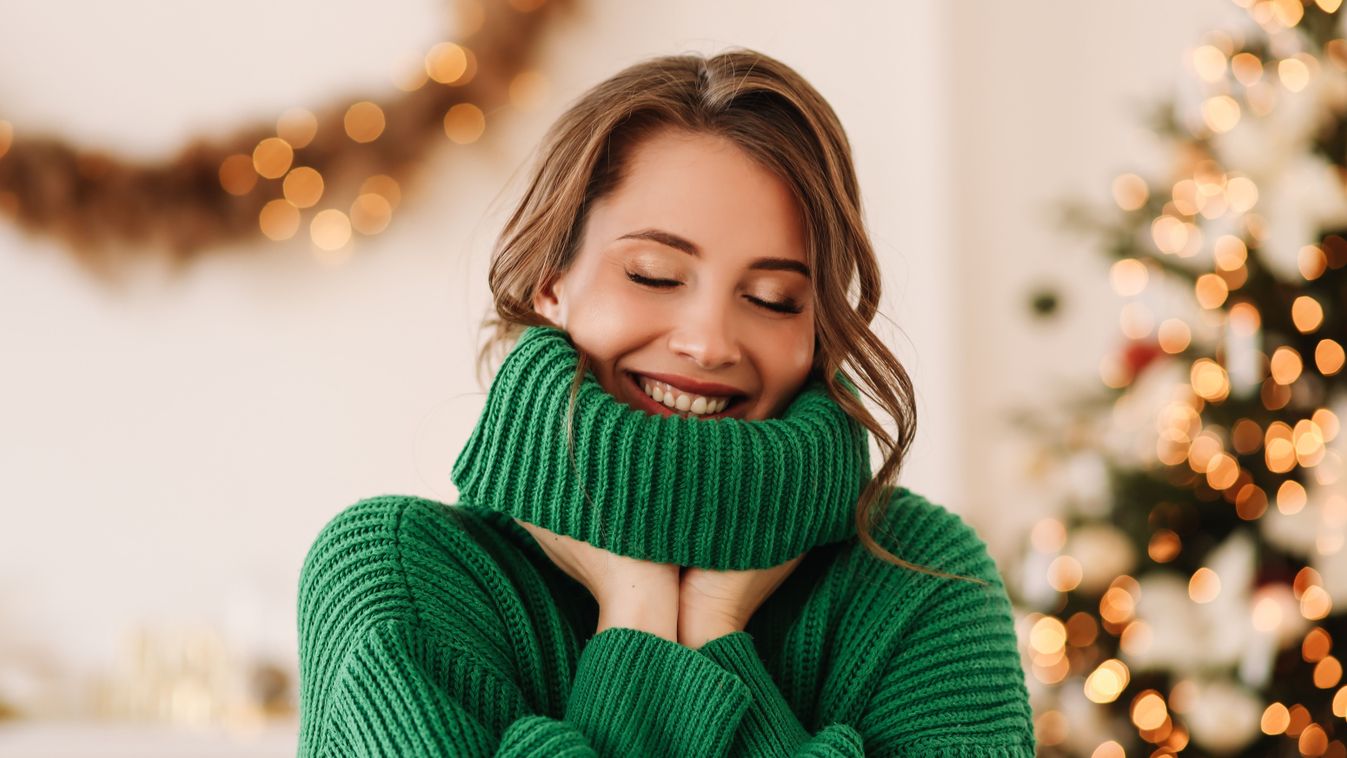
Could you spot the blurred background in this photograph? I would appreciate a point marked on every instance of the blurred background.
(243, 255)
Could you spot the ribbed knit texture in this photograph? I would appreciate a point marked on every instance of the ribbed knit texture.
(720, 493)
(428, 629)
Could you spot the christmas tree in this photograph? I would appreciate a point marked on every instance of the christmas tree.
(1190, 597)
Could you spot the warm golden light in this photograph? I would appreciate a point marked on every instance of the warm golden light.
(1211, 290)
(1316, 645)
(278, 219)
(447, 62)
(1209, 62)
(364, 121)
(1081, 629)
(1267, 614)
(1117, 605)
(1242, 194)
(1130, 191)
(1328, 357)
(1128, 276)
(1050, 727)
(1064, 573)
(1327, 673)
(1279, 454)
(237, 176)
(1204, 585)
(1285, 365)
(6, 137)
(272, 157)
(464, 123)
(297, 126)
(1136, 638)
(1169, 234)
(384, 186)
(409, 73)
(1174, 336)
(1229, 252)
(1246, 436)
(528, 90)
(1276, 718)
(1209, 380)
(1308, 441)
(1327, 421)
(1294, 74)
(1340, 704)
(1315, 603)
(1247, 68)
(1220, 113)
(1286, 12)
(303, 186)
(1136, 320)
(370, 213)
(1313, 741)
(1047, 636)
(1149, 711)
(1222, 471)
(1251, 502)
(1048, 535)
(1312, 262)
(1307, 314)
(1164, 546)
(1291, 495)
(330, 229)
(1110, 749)
(1106, 682)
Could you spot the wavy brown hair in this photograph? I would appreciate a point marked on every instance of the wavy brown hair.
(780, 120)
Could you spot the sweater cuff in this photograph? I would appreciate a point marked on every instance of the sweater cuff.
(770, 727)
(636, 693)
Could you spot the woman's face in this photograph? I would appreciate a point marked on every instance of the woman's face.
(730, 310)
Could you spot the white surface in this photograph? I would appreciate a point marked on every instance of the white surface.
(80, 740)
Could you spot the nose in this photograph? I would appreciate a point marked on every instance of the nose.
(707, 337)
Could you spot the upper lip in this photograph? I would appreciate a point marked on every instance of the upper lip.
(692, 385)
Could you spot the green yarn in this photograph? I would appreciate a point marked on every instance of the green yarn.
(716, 493)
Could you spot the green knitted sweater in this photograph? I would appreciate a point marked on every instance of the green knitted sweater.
(445, 630)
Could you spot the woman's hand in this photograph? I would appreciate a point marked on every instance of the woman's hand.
(630, 592)
(714, 603)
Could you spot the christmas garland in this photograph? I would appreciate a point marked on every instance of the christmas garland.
(343, 166)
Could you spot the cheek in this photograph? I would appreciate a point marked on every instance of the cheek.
(605, 321)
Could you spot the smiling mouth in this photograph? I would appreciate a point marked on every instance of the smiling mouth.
(648, 403)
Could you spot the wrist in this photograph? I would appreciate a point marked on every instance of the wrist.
(645, 612)
(694, 632)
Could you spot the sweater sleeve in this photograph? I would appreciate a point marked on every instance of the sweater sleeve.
(770, 727)
(952, 685)
(634, 693)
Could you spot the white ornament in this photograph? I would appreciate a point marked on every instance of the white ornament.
(1305, 197)
(1104, 554)
(1223, 716)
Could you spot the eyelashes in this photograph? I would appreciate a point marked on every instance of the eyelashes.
(788, 305)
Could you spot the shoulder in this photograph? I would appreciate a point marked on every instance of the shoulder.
(951, 675)
(379, 557)
(926, 532)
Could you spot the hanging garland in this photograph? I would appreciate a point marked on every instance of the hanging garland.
(340, 170)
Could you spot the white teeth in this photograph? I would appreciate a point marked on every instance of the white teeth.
(699, 405)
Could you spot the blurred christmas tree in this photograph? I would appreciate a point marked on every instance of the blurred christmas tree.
(1191, 598)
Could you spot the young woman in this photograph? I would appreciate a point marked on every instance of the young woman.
(669, 539)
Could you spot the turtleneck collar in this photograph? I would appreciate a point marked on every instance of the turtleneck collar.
(714, 493)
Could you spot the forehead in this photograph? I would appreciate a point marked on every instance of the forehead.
(708, 189)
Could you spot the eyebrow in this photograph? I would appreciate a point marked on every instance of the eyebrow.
(669, 239)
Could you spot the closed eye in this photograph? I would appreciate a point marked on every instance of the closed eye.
(784, 306)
